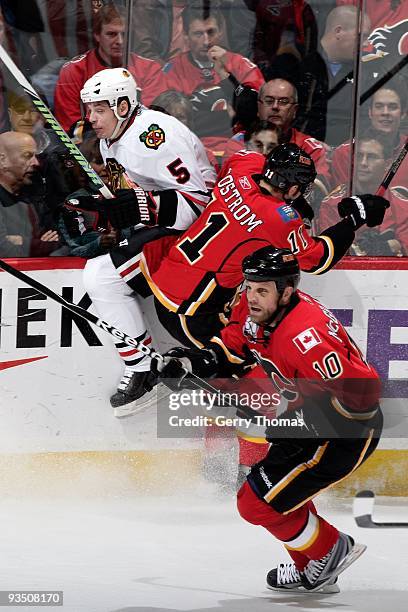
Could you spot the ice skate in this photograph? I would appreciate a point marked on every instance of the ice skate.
(320, 572)
(135, 392)
(286, 577)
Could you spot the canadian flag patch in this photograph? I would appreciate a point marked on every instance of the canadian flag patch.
(307, 340)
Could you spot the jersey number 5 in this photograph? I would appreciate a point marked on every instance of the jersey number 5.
(192, 248)
(180, 172)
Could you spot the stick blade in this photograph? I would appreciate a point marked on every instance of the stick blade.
(363, 509)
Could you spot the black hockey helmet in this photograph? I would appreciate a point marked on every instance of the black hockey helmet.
(289, 165)
(272, 264)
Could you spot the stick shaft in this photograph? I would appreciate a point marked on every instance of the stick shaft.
(117, 334)
(392, 171)
(51, 120)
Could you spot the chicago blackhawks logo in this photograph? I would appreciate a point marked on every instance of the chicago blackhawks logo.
(153, 137)
(116, 173)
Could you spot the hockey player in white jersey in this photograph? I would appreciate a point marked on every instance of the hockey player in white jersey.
(161, 178)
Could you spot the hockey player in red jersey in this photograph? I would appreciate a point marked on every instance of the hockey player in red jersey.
(254, 204)
(332, 422)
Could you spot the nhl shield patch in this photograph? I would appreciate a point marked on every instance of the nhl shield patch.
(307, 340)
(153, 137)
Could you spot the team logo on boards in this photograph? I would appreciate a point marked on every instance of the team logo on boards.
(153, 137)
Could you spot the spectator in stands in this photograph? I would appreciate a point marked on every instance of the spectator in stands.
(176, 104)
(284, 31)
(160, 28)
(21, 234)
(325, 80)
(262, 137)
(278, 103)
(87, 234)
(210, 74)
(391, 238)
(109, 33)
(207, 63)
(57, 178)
(388, 108)
(23, 115)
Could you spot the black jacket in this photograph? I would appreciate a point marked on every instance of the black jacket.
(325, 101)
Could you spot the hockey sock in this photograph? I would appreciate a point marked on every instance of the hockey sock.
(252, 452)
(301, 531)
(132, 357)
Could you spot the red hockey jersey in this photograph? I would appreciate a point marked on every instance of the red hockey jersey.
(202, 270)
(148, 75)
(307, 353)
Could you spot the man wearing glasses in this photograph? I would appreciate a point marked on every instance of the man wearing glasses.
(278, 104)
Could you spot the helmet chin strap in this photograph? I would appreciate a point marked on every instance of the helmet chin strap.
(121, 121)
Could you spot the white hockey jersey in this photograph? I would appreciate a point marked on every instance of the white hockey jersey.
(158, 152)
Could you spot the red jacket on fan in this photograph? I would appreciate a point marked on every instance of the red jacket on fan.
(396, 218)
(308, 353)
(201, 271)
(184, 75)
(148, 75)
(316, 149)
(341, 164)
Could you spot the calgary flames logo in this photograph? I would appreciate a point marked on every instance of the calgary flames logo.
(153, 137)
(388, 40)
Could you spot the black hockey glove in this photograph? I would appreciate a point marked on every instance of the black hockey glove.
(363, 209)
(180, 364)
(130, 207)
(302, 206)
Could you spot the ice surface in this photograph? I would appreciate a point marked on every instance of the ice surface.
(183, 552)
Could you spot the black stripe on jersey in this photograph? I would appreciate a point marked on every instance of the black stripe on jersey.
(220, 296)
(341, 236)
(240, 244)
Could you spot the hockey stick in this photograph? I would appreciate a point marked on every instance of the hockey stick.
(392, 171)
(363, 507)
(242, 411)
(51, 120)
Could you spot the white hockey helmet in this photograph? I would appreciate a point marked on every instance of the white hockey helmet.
(111, 85)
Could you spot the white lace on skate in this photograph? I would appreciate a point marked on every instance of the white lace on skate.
(314, 568)
(324, 571)
(288, 574)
